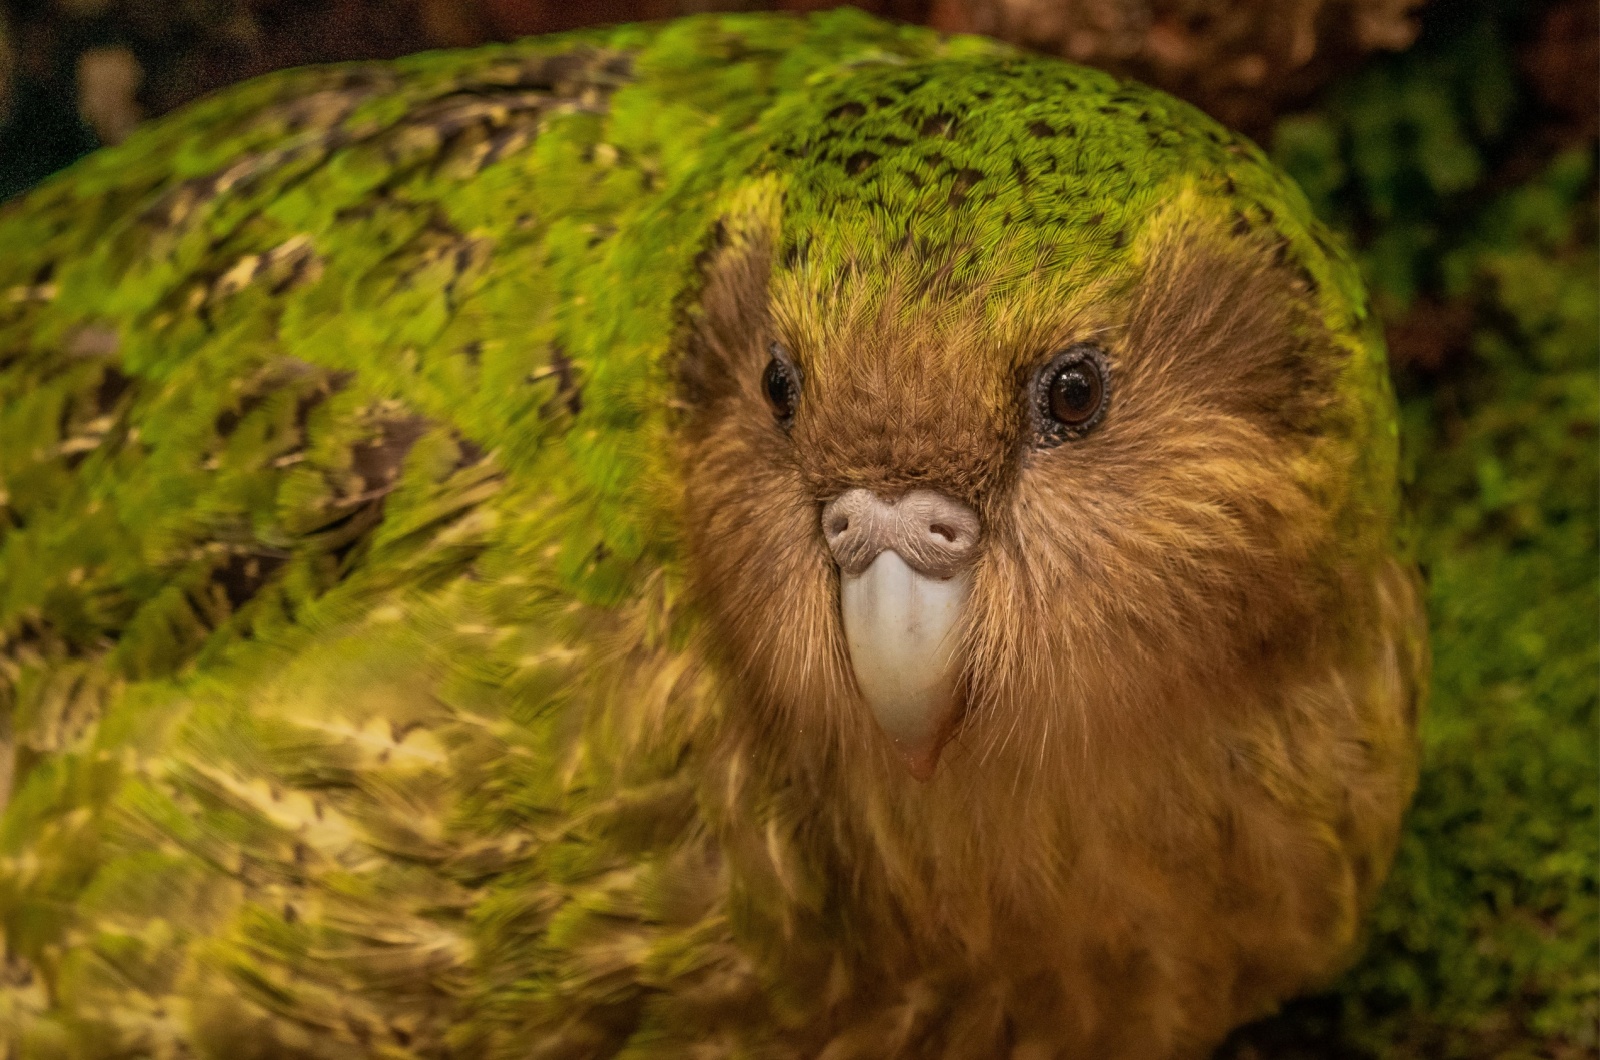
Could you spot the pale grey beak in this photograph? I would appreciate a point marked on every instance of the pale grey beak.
(904, 573)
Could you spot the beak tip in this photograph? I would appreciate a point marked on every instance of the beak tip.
(920, 762)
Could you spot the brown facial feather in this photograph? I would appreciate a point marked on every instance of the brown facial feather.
(1148, 605)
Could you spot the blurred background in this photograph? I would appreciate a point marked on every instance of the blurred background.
(1454, 144)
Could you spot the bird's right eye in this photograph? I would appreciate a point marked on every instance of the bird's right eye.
(780, 384)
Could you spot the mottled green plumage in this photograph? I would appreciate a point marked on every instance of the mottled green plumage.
(354, 695)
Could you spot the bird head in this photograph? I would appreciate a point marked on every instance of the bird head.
(1033, 414)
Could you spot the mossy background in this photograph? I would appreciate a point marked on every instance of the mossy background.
(1472, 201)
(1464, 171)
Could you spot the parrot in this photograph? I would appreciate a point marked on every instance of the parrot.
(753, 535)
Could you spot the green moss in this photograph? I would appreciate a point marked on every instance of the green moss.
(1490, 931)
(1486, 941)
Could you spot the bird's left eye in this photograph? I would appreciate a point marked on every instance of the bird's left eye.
(1070, 393)
(780, 384)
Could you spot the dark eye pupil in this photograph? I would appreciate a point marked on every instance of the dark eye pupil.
(1075, 394)
(779, 388)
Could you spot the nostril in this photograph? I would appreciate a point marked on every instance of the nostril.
(934, 534)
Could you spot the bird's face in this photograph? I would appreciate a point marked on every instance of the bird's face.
(1032, 495)
(1007, 512)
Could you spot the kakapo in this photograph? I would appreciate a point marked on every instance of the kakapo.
(751, 536)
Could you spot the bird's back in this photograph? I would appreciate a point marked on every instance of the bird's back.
(331, 417)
